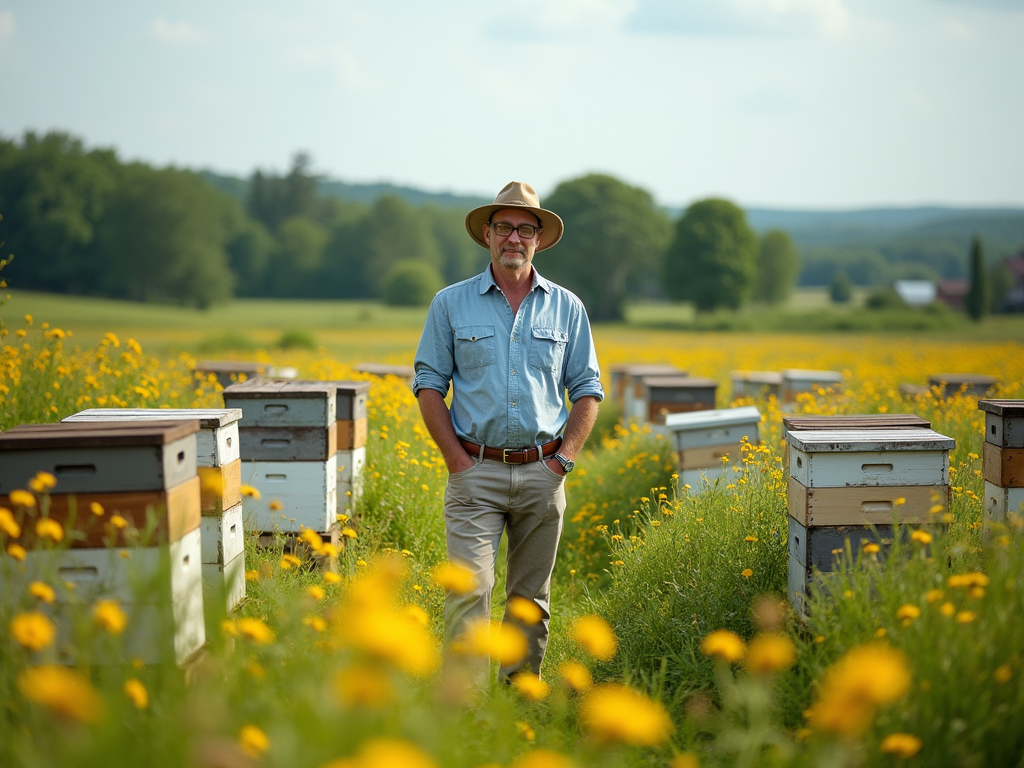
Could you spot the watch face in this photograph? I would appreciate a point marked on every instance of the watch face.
(567, 464)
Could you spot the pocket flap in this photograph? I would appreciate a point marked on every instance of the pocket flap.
(551, 334)
(474, 332)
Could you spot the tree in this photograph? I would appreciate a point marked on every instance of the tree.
(977, 300)
(162, 237)
(298, 256)
(614, 233)
(393, 231)
(713, 259)
(840, 290)
(410, 283)
(777, 267)
(54, 193)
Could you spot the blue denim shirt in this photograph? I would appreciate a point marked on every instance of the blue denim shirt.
(508, 373)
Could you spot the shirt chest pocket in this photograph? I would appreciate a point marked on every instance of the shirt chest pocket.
(474, 346)
(547, 348)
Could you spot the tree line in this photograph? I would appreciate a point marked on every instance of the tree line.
(81, 221)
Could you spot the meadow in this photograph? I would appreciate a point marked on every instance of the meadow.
(672, 640)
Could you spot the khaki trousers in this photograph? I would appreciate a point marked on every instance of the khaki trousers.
(527, 501)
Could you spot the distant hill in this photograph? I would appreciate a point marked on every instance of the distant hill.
(872, 245)
(356, 193)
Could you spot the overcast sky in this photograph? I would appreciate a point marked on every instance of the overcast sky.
(813, 104)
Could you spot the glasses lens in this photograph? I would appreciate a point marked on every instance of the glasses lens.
(526, 231)
(502, 228)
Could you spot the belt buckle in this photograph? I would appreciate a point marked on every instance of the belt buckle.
(506, 451)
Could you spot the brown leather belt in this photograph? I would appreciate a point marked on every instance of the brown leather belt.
(514, 455)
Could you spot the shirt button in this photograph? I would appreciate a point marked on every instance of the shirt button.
(513, 373)
(515, 405)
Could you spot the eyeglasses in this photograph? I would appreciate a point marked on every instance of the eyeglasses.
(504, 229)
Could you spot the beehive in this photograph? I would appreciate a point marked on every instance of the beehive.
(1003, 459)
(852, 483)
(661, 395)
(797, 381)
(289, 446)
(219, 467)
(351, 408)
(144, 472)
(702, 439)
(622, 384)
(971, 384)
(756, 384)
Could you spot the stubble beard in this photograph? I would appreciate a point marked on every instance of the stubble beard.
(512, 259)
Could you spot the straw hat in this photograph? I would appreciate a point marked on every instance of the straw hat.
(516, 194)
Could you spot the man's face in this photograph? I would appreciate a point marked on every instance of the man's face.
(512, 251)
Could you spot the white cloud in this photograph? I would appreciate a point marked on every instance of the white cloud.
(6, 24)
(741, 17)
(335, 62)
(958, 30)
(525, 19)
(175, 32)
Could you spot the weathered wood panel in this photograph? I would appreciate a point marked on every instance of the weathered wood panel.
(866, 505)
(223, 537)
(822, 547)
(283, 403)
(289, 443)
(949, 384)
(228, 479)
(352, 434)
(99, 468)
(802, 422)
(725, 426)
(352, 398)
(1003, 466)
(224, 584)
(709, 456)
(175, 512)
(999, 502)
(755, 384)
(305, 490)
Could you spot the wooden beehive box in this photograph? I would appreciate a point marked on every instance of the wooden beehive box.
(218, 460)
(855, 484)
(1003, 458)
(159, 588)
(970, 384)
(305, 490)
(223, 554)
(757, 384)
(701, 439)
(352, 399)
(282, 403)
(622, 381)
(796, 381)
(130, 469)
(662, 395)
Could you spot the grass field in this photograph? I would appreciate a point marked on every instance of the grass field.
(672, 644)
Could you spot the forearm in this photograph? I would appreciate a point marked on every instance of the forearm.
(577, 429)
(438, 421)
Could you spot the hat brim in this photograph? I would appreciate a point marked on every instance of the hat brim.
(550, 223)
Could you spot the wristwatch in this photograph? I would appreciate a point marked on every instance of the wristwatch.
(567, 464)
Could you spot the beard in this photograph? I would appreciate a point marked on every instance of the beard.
(514, 259)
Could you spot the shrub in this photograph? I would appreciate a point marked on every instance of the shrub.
(411, 284)
(297, 339)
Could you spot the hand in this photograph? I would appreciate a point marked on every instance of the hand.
(460, 461)
(555, 466)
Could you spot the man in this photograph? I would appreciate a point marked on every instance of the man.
(511, 344)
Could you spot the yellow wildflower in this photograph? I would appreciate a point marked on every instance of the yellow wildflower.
(542, 758)
(388, 752)
(363, 686)
(255, 630)
(615, 713)
(746, 573)
(137, 693)
(253, 741)
(454, 578)
(63, 691)
(42, 482)
(251, 492)
(48, 528)
(902, 745)
(108, 614)
(530, 686)
(965, 617)
(16, 551)
(770, 652)
(1003, 674)
(42, 591)
(96, 508)
(33, 630)
(525, 610)
(22, 498)
(316, 592)
(596, 636)
(504, 642)
(921, 537)
(526, 730)
(907, 613)
(724, 645)
(8, 524)
(575, 675)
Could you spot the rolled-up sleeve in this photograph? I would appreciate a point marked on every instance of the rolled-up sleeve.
(434, 361)
(582, 374)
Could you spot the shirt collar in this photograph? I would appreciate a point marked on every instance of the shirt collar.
(487, 281)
